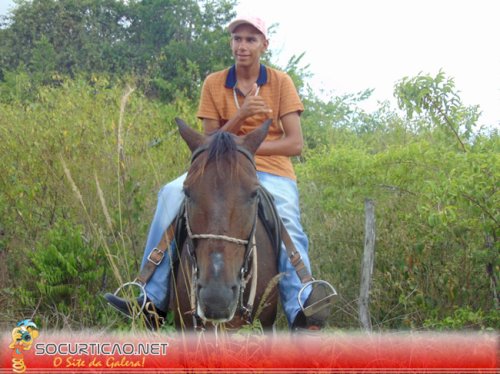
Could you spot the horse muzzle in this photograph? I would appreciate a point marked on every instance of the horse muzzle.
(217, 302)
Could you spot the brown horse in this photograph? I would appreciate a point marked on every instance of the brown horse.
(227, 261)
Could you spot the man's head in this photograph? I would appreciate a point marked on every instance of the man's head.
(248, 40)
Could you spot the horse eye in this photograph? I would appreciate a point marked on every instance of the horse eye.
(254, 194)
(186, 192)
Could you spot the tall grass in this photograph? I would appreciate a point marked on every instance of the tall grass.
(64, 159)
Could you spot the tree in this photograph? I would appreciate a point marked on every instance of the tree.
(85, 35)
(187, 40)
(437, 98)
(170, 44)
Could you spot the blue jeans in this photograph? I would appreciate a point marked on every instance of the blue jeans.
(286, 198)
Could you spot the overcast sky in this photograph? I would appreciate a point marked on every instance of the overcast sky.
(352, 45)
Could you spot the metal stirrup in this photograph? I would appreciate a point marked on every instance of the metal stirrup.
(143, 290)
(320, 304)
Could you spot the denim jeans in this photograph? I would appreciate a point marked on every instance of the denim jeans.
(286, 198)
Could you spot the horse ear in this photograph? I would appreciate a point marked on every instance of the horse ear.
(252, 140)
(192, 138)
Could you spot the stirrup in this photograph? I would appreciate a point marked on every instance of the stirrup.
(320, 304)
(143, 290)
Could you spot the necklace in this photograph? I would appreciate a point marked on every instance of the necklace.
(235, 95)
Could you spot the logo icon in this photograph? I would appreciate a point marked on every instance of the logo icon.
(23, 336)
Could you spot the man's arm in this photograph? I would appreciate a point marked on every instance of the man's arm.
(290, 144)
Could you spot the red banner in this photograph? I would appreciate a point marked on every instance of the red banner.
(102, 352)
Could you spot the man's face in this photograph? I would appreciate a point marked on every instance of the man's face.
(247, 44)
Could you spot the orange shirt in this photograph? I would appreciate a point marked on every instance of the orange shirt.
(217, 102)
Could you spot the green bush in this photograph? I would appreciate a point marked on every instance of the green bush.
(436, 210)
(62, 278)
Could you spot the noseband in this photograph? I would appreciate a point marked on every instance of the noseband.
(250, 253)
(211, 236)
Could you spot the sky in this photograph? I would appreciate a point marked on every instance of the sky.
(353, 45)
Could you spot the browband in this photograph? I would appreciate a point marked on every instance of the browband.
(239, 148)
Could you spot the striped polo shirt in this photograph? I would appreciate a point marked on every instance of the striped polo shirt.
(276, 88)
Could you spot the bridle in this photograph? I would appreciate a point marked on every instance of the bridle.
(247, 272)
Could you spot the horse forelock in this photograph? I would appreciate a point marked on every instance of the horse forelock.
(222, 150)
(221, 146)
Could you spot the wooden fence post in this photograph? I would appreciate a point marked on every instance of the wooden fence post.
(367, 266)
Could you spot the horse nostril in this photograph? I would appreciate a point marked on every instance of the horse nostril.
(234, 289)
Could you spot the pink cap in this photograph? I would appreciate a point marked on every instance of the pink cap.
(256, 22)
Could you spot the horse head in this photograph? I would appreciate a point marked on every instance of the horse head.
(221, 191)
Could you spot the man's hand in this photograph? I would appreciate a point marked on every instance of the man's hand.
(254, 105)
(251, 106)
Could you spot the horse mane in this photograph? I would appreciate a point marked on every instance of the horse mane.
(222, 150)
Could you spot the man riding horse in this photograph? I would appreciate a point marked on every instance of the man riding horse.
(238, 100)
